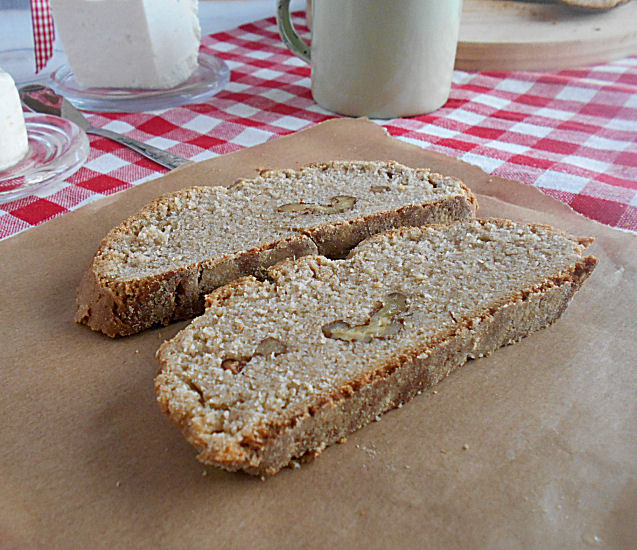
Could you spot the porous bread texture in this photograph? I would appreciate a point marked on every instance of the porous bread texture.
(158, 265)
(470, 288)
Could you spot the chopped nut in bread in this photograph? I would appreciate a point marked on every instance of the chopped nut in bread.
(339, 204)
(380, 325)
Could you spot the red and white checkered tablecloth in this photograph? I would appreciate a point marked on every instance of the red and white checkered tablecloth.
(571, 133)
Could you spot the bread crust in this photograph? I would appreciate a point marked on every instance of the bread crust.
(328, 418)
(121, 308)
(593, 5)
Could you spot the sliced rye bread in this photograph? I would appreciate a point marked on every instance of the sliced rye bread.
(281, 368)
(158, 265)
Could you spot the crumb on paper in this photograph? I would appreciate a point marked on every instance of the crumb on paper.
(591, 539)
(342, 440)
(465, 447)
(443, 451)
(118, 483)
(435, 392)
(204, 473)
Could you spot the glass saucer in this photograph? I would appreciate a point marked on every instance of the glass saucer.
(210, 77)
(20, 64)
(57, 149)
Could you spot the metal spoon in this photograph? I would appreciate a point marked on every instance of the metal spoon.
(44, 100)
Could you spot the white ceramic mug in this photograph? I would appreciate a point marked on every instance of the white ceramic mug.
(378, 58)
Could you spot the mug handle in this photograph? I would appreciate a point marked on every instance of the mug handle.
(288, 34)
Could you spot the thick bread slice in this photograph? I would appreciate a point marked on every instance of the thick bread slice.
(284, 367)
(158, 265)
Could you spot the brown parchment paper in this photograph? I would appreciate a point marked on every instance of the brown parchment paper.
(533, 447)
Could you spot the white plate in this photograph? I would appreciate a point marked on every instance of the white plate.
(210, 77)
(57, 149)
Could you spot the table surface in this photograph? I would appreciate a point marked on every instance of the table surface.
(571, 133)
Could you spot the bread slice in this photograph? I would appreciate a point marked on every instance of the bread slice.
(284, 367)
(158, 265)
